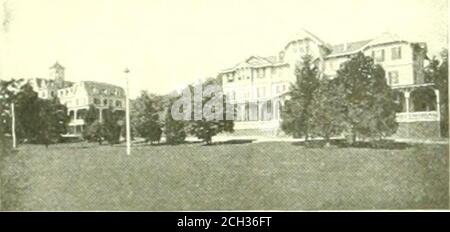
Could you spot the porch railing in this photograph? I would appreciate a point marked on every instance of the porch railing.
(426, 116)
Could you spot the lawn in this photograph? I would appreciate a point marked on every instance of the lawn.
(250, 176)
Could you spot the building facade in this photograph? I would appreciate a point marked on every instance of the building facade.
(79, 96)
(258, 85)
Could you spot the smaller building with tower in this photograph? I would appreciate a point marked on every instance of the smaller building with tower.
(78, 96)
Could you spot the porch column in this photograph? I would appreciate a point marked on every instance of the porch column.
(100, 115)
(242, 112)
(407, 93)
(75, 115)
(438, 104)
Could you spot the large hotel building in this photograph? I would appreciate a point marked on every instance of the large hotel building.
(258, 85)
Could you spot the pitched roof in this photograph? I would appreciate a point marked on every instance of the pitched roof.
(255, 62)
(348, 47)
(57, 65)
(93, 86)
(41, 81)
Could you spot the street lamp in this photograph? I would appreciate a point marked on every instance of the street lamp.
(13, 125)
(127, 113)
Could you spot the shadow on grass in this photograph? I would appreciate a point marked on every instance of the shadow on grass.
(342, 143)
(144, 144)
(231, 141)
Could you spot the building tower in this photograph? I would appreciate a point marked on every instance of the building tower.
(57, 74)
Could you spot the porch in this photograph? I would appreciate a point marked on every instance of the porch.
(419, 111)
(417, 103)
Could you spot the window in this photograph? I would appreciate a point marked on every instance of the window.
(261, 92)
(231, 96)
(280, 88)
(269, 107)
(96, 101)
(230, 77)
(105, 102)
(378, 55)
(261, 73)
(396, 53)
(393, 78)
(118, 103)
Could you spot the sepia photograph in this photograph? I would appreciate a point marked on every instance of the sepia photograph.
(224, 105)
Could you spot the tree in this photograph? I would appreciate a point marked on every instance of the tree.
(326, 111)
(96, 132)
(437, 72)
(146, 116)
(52, 121)
(174, 130)
(113, 122)
(381, 121)
(368, 104)
(91, 116)
(27, 113)
(214, 115)
(297, 111)
(7, 96)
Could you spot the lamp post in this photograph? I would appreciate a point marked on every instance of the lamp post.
(13, 125)
(127, 113)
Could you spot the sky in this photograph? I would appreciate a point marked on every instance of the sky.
(169, 43)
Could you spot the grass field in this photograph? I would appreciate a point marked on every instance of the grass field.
(252, 176)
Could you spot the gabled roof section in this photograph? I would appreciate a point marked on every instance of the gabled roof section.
(304, 34)
(57, 66)
(384, 38)
(255, 62)
(260, 61)
(353, 47)
(346, 48)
